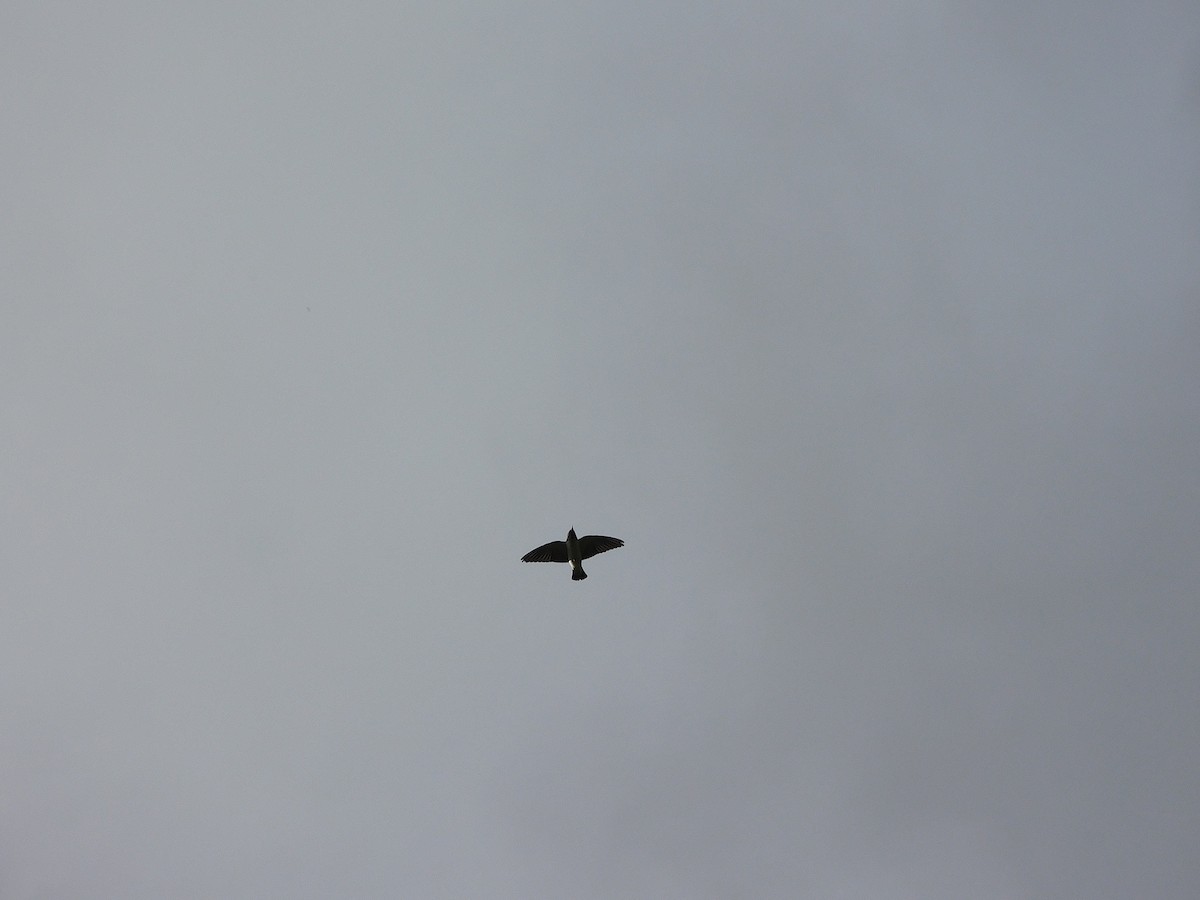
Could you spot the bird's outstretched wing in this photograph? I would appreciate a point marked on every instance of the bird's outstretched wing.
(555, 551)
(591, 544)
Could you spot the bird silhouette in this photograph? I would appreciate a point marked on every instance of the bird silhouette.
(573, 550)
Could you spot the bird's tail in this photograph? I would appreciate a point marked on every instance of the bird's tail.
(577, 574)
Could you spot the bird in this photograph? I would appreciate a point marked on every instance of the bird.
(573, 550)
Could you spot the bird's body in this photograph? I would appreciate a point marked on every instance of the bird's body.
(575, 557)
(573, 550)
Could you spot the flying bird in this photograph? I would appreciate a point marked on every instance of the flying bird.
(573, 550)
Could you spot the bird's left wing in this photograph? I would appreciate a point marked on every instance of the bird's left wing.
(555, 551)
(591, 544)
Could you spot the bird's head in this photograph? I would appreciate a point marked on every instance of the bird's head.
(571, 534)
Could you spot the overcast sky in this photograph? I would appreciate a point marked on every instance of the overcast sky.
(873, 328)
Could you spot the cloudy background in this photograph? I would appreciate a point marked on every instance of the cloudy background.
(873, 328)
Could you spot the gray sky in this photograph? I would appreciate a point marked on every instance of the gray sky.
(871, 327)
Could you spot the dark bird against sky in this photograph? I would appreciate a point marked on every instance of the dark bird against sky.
(573, 550)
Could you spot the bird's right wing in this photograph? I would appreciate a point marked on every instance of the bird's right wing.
(591, 544)
(555, 551)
